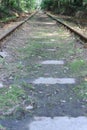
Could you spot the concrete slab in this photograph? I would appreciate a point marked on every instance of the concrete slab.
(42, 80)
(53, 50)
(59, 123)
(53, 62)
(1, 85)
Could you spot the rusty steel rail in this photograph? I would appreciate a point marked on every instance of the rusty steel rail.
(16, 27)
(81, 36)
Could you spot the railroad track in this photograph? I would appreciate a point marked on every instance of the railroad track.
(81, 36)
(4, 36)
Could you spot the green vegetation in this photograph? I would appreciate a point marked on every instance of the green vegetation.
(7, 19)
(10, 97)
(81, 91)
(34, 49)
(18, 4)
(2, 128)
(68, 7)
(9, 9)
(77, 65)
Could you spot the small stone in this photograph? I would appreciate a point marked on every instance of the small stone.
(65, 71)
(40, 92)
(62, 101)
(11, 78)
(56, 72)
(70, 98)
(1, 85)
(3, 54)
(85, 79)
(29, 107)
(39, 57)
(46, 74)
(83, 106)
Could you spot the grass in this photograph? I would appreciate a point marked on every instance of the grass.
(10, 97)
(77, 65)
(81, 91)
(1, 60)
(2, 128)
(14, 96)
(27, 86)
(33, 49)
(7, 19)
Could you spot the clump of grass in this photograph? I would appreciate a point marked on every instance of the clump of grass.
(76, 65)
(27, 85)
(2, 127)
(79, 50)
(32, 50)
(7, 19)
(19, 66)
(81, 91)
(10, 96)
(1, 60)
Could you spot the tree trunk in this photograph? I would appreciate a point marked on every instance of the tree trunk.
(78, 2)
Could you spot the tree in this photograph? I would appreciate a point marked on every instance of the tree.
(18, 3)
(78, 2)
(67, 6)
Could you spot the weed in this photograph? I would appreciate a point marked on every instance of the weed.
(76, 65)
(2, 127)
(79, 50)
(38, 66)
(10, 96)
(81, 91)
(26, 85)
(71, 52)
(2, 60)
(19, 66)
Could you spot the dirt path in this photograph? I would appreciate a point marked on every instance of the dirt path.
(43, 78)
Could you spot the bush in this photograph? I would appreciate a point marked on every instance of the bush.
(47, 5)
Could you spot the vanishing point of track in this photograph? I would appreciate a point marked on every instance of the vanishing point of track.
(81, 36)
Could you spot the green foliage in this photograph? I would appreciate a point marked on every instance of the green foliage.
(81, 91)
(76, 65)
(68, 7)
(2, 128)
(18, 4)
(10, 96)
(47, 4)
